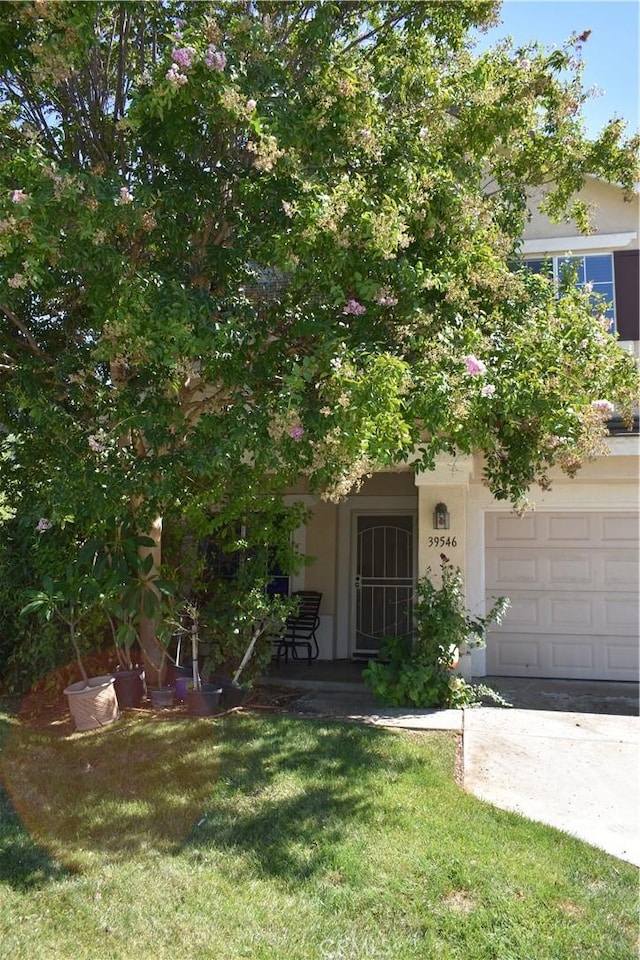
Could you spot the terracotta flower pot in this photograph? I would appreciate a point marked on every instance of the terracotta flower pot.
(93, 703)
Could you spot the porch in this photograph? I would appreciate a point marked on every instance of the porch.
(525, 693)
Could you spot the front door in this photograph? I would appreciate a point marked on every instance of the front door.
(383, 581)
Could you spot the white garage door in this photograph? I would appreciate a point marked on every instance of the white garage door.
(573, 583)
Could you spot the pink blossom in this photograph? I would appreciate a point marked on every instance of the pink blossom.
(215, 59)
(387, 301)
(43, 524)
(474, 366)
(95, 444)
(354, 308)
(604, 406)
(184, 57)
(19, 196)
(17, 281)
(175, 78)
(124, 196)
(588, 287)
(251, 105)
(525, 63)
(296, 433)
(488, 390)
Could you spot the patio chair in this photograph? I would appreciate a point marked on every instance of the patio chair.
(300, 628)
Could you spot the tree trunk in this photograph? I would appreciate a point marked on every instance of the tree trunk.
(153, 651)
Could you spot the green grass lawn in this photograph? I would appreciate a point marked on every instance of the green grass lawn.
(262, 836)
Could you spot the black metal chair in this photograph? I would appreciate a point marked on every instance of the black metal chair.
(300, 628)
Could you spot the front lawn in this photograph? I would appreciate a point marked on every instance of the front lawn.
(261, 836)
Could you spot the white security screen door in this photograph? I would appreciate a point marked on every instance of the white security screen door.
(384, 580)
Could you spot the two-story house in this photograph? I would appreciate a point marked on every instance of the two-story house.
(570, 567)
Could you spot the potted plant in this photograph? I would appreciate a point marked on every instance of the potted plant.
(238, 620)
(132, 591)
(92, 701)
(202, 698)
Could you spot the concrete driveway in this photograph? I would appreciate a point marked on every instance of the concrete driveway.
(579, 772)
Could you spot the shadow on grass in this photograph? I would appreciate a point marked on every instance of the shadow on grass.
(133, 788)
(269, 785)
(23, 864)
(291, 795)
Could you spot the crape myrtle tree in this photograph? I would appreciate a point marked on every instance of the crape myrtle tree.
(246, 243)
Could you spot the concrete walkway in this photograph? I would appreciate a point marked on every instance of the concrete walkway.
(578, 772)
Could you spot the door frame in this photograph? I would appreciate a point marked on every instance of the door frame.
(348, 511)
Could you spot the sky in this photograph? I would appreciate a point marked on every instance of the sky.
(611, 54)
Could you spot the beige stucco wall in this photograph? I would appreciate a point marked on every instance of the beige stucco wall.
(611, 213)
(388, 484)
(321, 549)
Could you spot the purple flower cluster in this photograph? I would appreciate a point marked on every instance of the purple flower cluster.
(43, 524)
(175, 78)
(184, 57)
(474, 366)
(604, 406)
(215, 59)
(354, 308)
(296, 433)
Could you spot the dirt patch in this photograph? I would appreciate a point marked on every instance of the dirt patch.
(460, 902)
(45, 708)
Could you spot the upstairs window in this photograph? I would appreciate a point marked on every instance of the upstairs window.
(595, 269)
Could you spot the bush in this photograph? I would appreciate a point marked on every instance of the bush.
(417, 671)
(29, 648)
(231, 616)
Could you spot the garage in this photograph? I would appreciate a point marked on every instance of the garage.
(572, 578)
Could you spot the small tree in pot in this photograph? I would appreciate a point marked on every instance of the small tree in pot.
(241, 624)
(92, 701)
(132, 591)
(202, 698)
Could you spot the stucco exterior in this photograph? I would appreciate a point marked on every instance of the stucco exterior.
(611, 213)
(603, 490)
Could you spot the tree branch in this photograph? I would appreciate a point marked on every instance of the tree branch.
(33, 346)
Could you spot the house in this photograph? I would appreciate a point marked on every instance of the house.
(570, 567)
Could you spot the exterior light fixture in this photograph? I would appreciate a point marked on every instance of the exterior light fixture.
(441, 517)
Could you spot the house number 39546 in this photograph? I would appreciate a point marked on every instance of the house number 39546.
(442, 542)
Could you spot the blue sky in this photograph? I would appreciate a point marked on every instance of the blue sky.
(611, 53)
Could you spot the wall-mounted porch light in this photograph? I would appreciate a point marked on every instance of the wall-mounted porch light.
(441, 517)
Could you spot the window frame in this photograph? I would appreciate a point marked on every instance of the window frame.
(557, 261)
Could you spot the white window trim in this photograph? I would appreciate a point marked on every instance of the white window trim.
(604, 242)
(555, 258)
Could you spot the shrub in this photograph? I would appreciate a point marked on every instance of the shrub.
(29, 650)
(417, 671)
